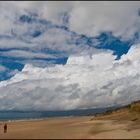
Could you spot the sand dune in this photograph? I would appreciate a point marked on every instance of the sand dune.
(122, 123)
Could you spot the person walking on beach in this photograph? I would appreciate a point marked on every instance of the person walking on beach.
(5, 128)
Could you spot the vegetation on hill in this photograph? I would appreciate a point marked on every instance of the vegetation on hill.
(125, 112)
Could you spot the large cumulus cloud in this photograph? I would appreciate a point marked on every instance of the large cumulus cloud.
(84, 82)
(39, 33)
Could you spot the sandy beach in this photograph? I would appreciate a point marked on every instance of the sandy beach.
(119, 125)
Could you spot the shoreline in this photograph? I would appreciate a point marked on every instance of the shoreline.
(43, 118)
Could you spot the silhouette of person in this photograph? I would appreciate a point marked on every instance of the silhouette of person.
(5, 128)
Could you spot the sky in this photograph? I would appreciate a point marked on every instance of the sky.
(69, 55)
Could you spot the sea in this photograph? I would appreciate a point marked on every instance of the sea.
(25, 115)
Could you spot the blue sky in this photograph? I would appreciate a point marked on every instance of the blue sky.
(74, 43)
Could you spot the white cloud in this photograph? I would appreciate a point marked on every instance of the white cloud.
(85, 17)
(90, 17)
(84, 82)
(25, 54)
(119, 17)
(17, 37)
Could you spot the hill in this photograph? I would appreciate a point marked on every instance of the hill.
(129, 112)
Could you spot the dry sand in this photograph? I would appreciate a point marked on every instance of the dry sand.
(104, 127)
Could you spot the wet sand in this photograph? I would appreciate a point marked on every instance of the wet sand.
(83, 127)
